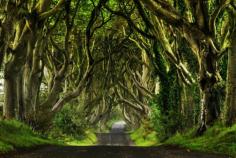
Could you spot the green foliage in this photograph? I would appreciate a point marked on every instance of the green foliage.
(144, 136)
(181, 6)
(70, 128)
(115, 116)
(165, 115)
(89, 139)
(14, 134)
(216, 139)
(69, 121)
(165, 124)
(223, 63)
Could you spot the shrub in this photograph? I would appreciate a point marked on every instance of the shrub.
(165, 125)
(69, 121)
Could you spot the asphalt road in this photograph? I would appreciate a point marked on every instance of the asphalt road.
(116, 137)
(112, 152)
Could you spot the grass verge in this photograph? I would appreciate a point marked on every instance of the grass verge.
(144, 136)
(88, 139)
(216, 139)
(14, 134)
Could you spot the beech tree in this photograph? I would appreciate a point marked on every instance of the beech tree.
(108, 53)
(27, 27)
(198, 27)
(230, 108)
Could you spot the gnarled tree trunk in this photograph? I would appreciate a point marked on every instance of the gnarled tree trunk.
(208, 79)
(230, 105)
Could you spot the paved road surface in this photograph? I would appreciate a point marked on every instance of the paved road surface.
(116, 137)
(112, 152)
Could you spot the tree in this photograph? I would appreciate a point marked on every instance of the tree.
(230, 104)
(201, 36)
(25, 22)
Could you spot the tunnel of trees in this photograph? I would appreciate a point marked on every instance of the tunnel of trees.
(169, 62)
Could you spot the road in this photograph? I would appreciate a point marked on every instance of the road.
(116, 137)
(111, 152)
(115, 144)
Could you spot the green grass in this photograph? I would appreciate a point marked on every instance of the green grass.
(216, 139)
(89, 139)
(14, 134)
(144, 137)
(84, 139)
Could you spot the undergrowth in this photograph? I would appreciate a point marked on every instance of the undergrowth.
(144, 136)
(14, 134)
(217, 139)
(89, 139)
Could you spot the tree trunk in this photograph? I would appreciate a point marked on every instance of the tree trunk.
(20, 108)
(230, 105)
(2, 42)
(12, 70)
(208, 79)
(10, 97)
(14, 58)
(32, 78)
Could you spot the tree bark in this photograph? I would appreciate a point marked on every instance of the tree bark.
(230, 105)
(12, 69)
(208, 79)
(2, 42)
(10, 97)
(20, 108)
(15, 47)
(32, 77)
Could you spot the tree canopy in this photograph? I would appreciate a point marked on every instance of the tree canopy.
(177, 56)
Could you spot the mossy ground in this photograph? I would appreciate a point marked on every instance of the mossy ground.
(88, 139)
(14, 134)
(144, 136)
(217, 139)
